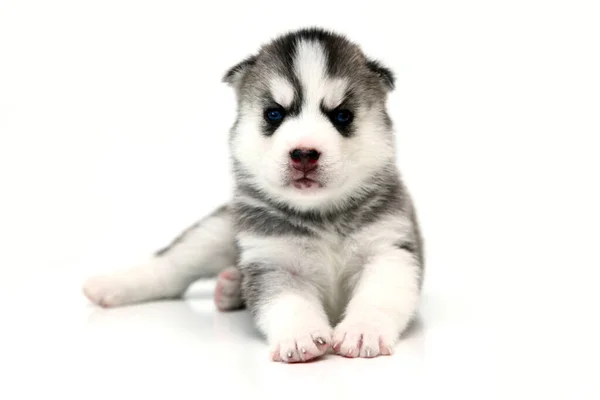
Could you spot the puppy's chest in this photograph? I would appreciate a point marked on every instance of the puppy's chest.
(330, 262)
(339, 263)
(338, 255)
(327, 259)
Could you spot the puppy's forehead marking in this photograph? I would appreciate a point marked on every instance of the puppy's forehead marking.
(282, 91)
(310, 65)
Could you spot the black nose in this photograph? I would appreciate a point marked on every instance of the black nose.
(304, 155)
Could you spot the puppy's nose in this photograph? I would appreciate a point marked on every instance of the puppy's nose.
(304, 159)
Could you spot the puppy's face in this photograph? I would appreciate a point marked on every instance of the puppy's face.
(312, 126)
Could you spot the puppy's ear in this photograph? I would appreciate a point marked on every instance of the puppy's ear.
(235, 74)
(385, 74)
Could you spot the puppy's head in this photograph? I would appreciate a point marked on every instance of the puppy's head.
(312, 127)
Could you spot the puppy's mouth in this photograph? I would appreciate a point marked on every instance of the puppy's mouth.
(305, 179)
(306, 183)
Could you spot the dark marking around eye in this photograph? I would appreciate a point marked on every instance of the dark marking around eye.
(274, 114)
(342, 116)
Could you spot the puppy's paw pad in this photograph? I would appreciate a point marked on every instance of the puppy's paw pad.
(228, 293)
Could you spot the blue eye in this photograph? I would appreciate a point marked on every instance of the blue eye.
(343, 117)
(274, 114)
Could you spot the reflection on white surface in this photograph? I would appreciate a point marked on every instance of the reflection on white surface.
(477, 349)
(221, 347)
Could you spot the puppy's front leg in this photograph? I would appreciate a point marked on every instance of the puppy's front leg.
(384, 301)
(288, 310)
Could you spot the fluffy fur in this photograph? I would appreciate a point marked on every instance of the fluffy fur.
(323, 257)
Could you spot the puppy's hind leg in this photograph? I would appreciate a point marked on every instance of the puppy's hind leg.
(201, 251)
(228, 293)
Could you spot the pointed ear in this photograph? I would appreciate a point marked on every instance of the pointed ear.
(385, 74)
(234, 75)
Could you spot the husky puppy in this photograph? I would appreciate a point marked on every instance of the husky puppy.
(320, 240)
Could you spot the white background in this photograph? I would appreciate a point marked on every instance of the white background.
(113, 128)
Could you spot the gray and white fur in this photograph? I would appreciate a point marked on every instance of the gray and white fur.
(320, 241)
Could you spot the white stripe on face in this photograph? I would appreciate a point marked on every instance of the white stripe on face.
(311, 68)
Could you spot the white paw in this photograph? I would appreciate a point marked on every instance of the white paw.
(148, 281)
(108, 290)
(302, 345)
(363, 338)
(297, 327)
(228, 292)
